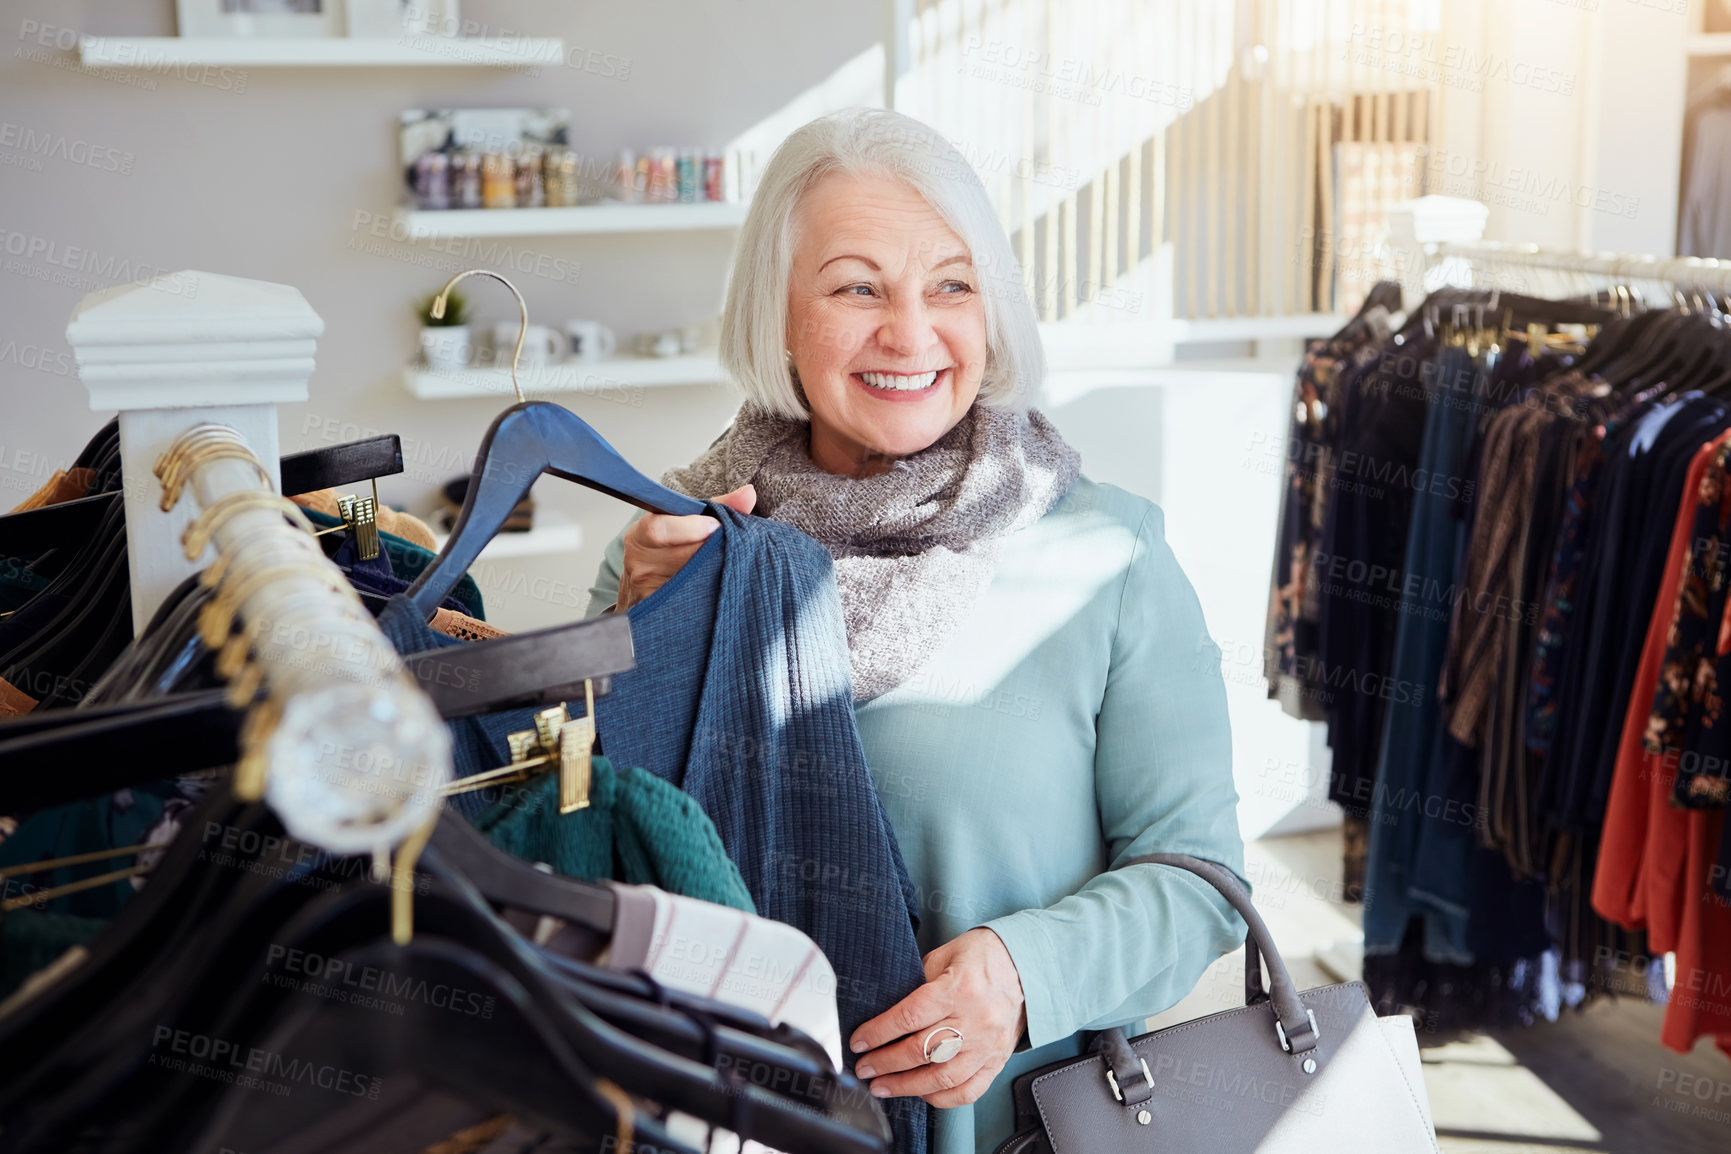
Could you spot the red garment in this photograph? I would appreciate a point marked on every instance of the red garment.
(1701, 993)
(1655, 857)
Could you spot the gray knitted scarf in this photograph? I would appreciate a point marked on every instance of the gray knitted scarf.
(915, 546)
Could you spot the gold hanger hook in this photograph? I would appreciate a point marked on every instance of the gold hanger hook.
(522, 310)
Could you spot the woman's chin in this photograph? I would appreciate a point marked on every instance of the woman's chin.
(905, 438)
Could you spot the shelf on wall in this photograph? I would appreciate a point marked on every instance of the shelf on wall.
(1709, 44)
(568, 221)
(549, 537)
(158, 52)
(613, 380)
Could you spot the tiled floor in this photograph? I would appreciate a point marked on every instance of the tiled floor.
(1597, 1080)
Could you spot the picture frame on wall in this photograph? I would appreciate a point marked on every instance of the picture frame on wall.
(431, 17)
(380, 19)
(286, 18)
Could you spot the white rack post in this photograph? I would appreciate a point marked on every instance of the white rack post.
(177, 351)
(357, 757)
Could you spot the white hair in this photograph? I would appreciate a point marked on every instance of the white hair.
(870, 141)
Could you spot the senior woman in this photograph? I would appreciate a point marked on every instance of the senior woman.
(1035, 688)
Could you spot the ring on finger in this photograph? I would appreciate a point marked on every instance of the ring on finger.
(946, 1049)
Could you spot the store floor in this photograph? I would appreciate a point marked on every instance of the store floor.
(1596, 1080)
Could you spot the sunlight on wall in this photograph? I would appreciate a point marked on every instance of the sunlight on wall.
(1158, 158)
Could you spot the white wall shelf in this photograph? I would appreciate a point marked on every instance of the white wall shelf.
(1710, 44)
(159, 52)
(615, 379)
(569, 221)
(1154, 344)
(1065, 386)
(549, 537)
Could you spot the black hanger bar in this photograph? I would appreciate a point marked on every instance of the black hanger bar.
(35, 531)
(525, 669)
(115, 748)
(48, 526)
(509, 881)
(310, 470)
(58, 756)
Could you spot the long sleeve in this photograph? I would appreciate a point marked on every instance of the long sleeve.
(605, 592)
(1132, 942)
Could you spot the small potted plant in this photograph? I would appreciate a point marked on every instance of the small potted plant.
(445, 340)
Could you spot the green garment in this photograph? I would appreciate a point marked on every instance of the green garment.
(30, 938)
(409, 559)
(636, 829)
(1076, 719)
(34, 940)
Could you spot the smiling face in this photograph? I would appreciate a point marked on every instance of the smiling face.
(885, 322)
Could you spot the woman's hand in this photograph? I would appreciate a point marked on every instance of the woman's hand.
(659, 545)
(971, 985)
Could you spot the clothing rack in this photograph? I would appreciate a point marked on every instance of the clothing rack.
(1447, 262)
(344, 745)
(1556, 612)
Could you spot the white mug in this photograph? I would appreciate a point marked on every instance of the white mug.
(589, 340)
(540, 344)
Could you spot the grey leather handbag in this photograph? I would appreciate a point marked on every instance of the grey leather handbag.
(1315, 1070)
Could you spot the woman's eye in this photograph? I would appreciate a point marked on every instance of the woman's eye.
(955, 286)
(857, 289)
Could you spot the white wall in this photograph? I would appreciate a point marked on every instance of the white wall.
(263, 173)
(1566, 118)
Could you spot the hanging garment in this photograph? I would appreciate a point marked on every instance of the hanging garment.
(1656, 860)
(1687, 699)
(14, 702)
(741, 698)
(1290, 642)
(1562, 590)
(728, 955)
(1689, 718)
(636, 828)
(1382, 430)
(1648, 476)
(1412, 803)
(1508, 481)
(1505, 787)
(399, 562)
(1644, 769)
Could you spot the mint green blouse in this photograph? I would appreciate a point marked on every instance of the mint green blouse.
(1077, 719)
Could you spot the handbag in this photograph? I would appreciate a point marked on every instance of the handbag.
(1288, 1071)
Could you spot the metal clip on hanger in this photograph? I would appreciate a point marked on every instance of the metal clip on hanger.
(556, 740)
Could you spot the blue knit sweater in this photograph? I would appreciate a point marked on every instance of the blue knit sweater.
(742, 697)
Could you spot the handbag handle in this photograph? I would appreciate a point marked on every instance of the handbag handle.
(1296, 1025)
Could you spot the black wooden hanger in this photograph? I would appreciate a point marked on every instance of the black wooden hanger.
(208, 984)
(526, 440)
(58, 756)
(54, 526)
(508, 881)
(515, 1062)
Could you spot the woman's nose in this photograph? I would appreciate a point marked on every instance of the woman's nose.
(907, 329)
